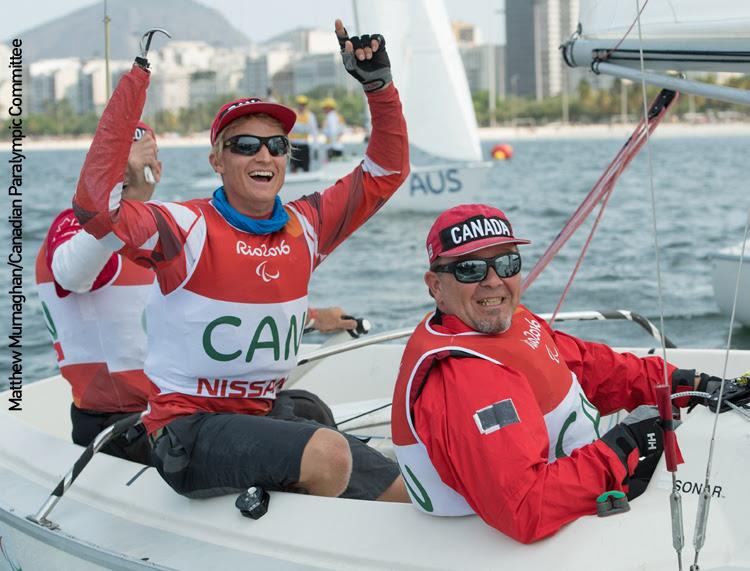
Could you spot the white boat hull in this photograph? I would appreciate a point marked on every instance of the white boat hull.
(725, 266)
(105, 523)
(429, 188)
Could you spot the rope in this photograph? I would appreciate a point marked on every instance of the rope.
(627, 33)
(601, 190)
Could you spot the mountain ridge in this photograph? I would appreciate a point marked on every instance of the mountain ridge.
(81, 32)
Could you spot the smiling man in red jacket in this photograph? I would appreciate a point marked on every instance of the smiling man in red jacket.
(497, 414)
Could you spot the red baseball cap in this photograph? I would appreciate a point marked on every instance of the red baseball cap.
(249, 106)
(467, 228)
(141, 129)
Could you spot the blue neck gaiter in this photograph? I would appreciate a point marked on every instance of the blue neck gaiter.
(278, 220)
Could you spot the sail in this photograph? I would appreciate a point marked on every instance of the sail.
(429, 73)
(684, 35)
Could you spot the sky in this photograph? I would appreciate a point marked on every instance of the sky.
(260, 20)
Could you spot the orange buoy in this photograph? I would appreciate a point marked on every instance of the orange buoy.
(502, 152)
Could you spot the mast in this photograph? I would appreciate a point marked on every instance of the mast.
(366, 112)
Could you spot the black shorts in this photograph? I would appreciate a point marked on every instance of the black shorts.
(133, 445)
(210, 454)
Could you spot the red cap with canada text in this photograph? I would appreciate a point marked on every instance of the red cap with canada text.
(467, 228)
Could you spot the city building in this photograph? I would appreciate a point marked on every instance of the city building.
(92, 95)
(534, 31)
(304, 41)
(261, 68)
(479, 61)
(53, 80)
(319, 70)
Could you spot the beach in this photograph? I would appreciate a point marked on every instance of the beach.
(498, 134)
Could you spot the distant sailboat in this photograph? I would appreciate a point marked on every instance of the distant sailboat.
(725, 265)
(429, 74)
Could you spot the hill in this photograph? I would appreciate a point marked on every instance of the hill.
(81, 33)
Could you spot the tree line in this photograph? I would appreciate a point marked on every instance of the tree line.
(586, 106)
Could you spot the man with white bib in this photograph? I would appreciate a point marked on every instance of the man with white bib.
(225, 323)
(93, 301)
(497, 414)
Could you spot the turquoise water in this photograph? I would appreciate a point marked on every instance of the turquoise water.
(702, 200)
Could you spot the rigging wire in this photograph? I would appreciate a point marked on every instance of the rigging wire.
(660, 300)
(729, 342)
(604, 201)
(627, 32)
(701, 520)
(670, 446)
(601, 191)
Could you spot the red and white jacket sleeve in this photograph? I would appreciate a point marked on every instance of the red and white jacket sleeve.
(612, 381)
(338, 211)
(78, 262)
(148, 233)
(505, 475)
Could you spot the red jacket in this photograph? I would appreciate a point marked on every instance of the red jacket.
(506, 476)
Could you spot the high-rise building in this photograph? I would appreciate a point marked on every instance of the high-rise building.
(477, 61)
(53, 80)
(535, 29)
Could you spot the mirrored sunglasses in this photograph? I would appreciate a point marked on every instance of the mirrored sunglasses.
(475, 270)
(250, 145)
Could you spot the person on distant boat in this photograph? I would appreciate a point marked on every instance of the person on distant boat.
(233, 272)
(497, 414)
(333, 128)
(93, 302)
(303, 136)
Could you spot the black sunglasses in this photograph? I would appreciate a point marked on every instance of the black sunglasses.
(475, 270)
(250, 145)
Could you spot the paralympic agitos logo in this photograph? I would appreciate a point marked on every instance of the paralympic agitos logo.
(264, 251)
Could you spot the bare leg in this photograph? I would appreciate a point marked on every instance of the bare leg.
(396, 492)
(326, 464)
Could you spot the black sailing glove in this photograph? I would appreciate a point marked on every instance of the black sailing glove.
(736, 391)
(641, 429)
(372, 73)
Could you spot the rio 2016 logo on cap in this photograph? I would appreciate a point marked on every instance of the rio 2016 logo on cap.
(476, 228)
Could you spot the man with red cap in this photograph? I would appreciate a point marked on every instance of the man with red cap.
(233, 274)
(93, 302)
(497, 414)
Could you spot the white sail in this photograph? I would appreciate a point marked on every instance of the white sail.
(683, 19)
(684, 35)
(429, 73)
